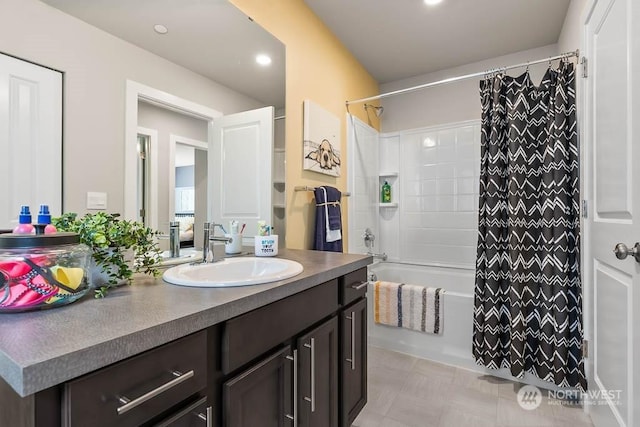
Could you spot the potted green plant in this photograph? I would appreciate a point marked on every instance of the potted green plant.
(119, 247)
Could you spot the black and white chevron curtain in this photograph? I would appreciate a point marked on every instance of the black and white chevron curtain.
(528, 303)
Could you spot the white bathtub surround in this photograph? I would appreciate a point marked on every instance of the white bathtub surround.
(413, 307)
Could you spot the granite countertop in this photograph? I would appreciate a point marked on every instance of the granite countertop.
(44, 348)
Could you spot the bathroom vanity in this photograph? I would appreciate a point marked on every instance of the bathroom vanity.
(284, 353)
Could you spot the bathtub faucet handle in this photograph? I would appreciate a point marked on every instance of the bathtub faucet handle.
(369, 238)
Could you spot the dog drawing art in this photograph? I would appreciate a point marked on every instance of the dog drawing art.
(321, 140)
(325, 155)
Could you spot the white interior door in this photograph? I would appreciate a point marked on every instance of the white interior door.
(613, 140)
(240, 161)
(30, 138)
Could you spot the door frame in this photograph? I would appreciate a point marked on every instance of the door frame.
(135, 92)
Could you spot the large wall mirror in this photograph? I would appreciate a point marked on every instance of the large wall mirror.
(167, 134)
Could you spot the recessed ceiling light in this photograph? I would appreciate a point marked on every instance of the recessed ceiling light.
(160, 29)
(432, 2)
(263, 59)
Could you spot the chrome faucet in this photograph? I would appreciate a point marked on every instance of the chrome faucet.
(209, 239)
(174, 239)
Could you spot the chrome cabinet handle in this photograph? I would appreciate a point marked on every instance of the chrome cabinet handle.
(360, 286)
(312, 399)
(208, 417)
(130, 404)
(353, 340)
(294, 417)
(622, 251)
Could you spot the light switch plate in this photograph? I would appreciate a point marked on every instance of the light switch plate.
(97, 201)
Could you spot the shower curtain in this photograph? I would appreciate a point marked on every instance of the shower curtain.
(528, 303)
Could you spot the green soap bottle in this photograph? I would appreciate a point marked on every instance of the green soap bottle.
(386, 193)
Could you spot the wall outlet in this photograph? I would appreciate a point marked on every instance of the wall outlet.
(96, 201)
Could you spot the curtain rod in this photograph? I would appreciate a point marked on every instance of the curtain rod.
(575, 53)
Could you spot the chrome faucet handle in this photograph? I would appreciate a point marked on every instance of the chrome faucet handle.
(369, 238)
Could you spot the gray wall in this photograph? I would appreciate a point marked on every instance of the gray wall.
(96, 67)
(460, 100)
(452, 102)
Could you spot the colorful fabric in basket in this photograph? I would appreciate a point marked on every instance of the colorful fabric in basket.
(27, 282)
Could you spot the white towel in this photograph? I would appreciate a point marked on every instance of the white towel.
(408, 306)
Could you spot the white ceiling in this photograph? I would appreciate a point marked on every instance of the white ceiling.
(396, 39)
(212, 38)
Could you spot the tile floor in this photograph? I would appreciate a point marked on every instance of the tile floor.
(405, 391)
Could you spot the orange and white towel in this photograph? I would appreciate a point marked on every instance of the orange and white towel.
(408, 306)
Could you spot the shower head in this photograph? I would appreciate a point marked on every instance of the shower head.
(378, 110)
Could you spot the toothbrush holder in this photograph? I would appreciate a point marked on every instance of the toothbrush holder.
(266, 245)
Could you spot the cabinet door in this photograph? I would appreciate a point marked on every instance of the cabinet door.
(318, 376)
(353, 360)
(260, 396)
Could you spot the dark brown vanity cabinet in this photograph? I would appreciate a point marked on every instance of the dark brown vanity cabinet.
(317, 377)
(299, 361)
(295, 386)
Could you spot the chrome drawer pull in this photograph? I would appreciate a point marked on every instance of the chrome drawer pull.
(294, 417)
(352, 360)
(360, 286)
(208, 418)
(312, 399)
(130, 404)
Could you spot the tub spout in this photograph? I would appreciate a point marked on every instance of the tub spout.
(382, 256)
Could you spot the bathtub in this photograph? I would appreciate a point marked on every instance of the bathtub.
(453, 346)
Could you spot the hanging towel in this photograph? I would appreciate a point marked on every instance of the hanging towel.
(328, 232)
(408, 306)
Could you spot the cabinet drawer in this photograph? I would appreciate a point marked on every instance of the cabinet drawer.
(196, 414)
(136, 390)
(353, 286)
(248, 336)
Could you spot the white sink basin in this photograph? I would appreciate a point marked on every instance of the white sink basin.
(229, 272)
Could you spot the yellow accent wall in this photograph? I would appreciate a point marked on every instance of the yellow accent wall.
(321, 69)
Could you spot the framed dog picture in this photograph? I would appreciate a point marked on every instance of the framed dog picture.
(321, 140)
